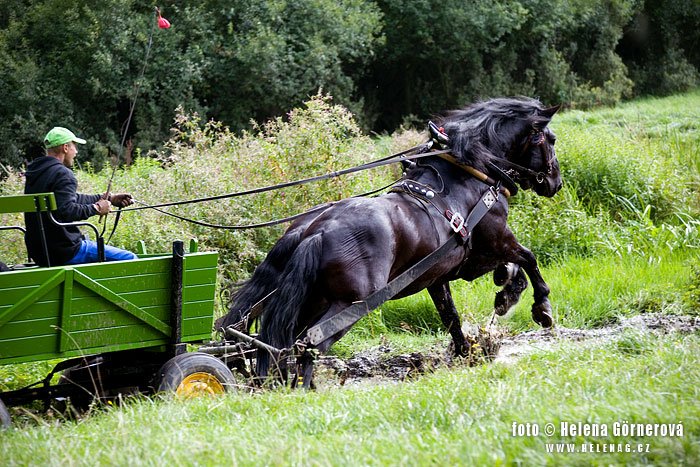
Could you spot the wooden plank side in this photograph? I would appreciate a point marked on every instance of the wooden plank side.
(198, 293)
(197, 328)
(200, 321)
(143, 299)
(17, 329)
(42, 308)
(19, 357)
(26, 277)
(27, 348)
(117, 336)
(200, 308)
(11, 289)
(52, 282)
(94, 321)
(114, 269)
(200, 277)
(111, 306)
(122, 303)
(128, 284)
(64, 321)
(202, 260)
(199, 288)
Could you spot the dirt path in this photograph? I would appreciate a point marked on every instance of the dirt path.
(382, 364)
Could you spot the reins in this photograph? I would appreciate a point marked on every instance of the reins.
(416, 152)
(271, 223)
(399, 157)
(479, 175)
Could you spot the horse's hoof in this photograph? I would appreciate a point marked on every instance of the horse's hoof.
(500, 304)
(542, 315)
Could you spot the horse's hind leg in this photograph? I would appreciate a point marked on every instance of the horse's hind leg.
(442, 298)
(512, 278)
(305, 363)
(305, 369)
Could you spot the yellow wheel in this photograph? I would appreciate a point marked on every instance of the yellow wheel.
(194, 374)
(199, 383)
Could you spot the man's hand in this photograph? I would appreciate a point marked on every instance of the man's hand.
(102, 207)
(121, 200)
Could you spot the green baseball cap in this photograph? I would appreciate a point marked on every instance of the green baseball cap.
(59, 135)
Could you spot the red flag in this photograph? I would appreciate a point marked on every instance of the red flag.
(162, 22)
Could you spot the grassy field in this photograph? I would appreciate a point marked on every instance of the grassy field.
(621, 239)
(461, 416)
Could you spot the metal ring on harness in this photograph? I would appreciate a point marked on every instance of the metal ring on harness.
(457, 222)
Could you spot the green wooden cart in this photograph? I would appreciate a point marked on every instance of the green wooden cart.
(120, 327)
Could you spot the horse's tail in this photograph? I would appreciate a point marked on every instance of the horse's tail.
(264, 280)
(281, 314)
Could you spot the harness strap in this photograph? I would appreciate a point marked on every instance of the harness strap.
(508, 191)
(350, 315)
(426, 194)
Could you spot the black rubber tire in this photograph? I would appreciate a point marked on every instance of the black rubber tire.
(185, 367)
(5, 420)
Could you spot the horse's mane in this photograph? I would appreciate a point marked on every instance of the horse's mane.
(487, 129)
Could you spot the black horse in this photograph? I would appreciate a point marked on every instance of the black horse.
(332, 258)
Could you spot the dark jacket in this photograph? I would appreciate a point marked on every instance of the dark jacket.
(47, 174)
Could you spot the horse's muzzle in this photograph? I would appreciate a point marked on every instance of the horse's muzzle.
(548, 187)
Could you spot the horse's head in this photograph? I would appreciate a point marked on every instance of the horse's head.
(532, 160)
(508, 135)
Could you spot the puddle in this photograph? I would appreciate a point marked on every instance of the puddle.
(381, 364)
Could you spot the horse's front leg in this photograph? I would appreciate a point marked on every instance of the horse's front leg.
(442, 298)
(512, 278)
(541, 309)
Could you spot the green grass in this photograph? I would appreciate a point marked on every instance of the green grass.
(461, 416)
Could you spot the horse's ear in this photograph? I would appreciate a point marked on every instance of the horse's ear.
(549, 112)
(544, 116)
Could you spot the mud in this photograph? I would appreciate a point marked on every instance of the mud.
(382, 364)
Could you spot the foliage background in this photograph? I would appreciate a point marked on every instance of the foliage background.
(77, 63)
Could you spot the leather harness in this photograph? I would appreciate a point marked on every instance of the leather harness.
(462, 228)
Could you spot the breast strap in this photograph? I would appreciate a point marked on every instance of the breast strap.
(458, 222)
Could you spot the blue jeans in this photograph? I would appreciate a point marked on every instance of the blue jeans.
(88, 253)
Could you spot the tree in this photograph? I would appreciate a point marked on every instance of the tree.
(78, 64)
(271, 56)
(661, 46)
(439, 55)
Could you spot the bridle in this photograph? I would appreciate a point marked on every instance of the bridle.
(535, 138)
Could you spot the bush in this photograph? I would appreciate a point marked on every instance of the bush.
(207, 159)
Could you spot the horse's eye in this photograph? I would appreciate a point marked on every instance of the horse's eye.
(537, 138)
